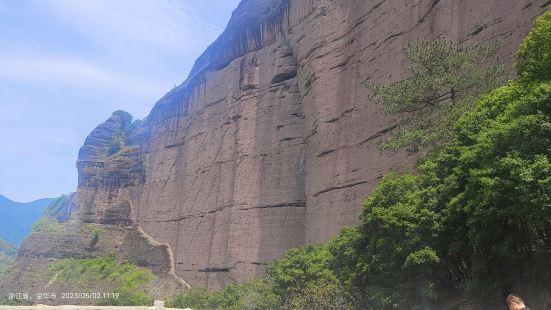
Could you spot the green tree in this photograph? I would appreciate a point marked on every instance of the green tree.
(499, 189)
(255, 294)
(347, 249)
(299, 267)
(320, 294)
(534, 58)
(95, 239)
(444, 82)
(397, 262)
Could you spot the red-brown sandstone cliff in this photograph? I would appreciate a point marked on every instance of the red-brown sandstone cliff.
(272, 142)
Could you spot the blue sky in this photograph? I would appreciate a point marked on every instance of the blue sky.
(65, 65)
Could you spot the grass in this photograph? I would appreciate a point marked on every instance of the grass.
(48, 225)
(89, 229)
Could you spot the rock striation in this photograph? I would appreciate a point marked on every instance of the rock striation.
(271, 142)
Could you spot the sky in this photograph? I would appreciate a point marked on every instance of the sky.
(66, 65)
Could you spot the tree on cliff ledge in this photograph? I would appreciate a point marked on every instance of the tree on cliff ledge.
(444, 82)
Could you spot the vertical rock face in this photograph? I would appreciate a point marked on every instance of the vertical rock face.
(271, 142)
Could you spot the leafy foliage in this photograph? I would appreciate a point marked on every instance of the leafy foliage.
(444, 82)
(397, 259)
(127, 279)
(500, 187)
(534, 58)
(304, 279)
(320, 294)
(255, 294)
(49, 225)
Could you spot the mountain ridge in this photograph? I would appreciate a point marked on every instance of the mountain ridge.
(17, 218)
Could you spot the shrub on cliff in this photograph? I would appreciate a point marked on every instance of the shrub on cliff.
(48, 225)
(444, 81)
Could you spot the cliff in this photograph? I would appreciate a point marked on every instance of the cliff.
(271, 142)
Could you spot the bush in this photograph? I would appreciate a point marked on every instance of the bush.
(48, 225)
(320, 294)
(129, 281)
(251, 295)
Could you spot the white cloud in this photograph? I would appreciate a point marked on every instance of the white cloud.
(72, 72)
(129, 46)
(167, 25)
(66, 65)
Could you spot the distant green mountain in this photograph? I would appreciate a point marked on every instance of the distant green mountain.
(16, 219)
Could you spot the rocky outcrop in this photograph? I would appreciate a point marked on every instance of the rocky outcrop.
(75, 240)
(272, 142)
